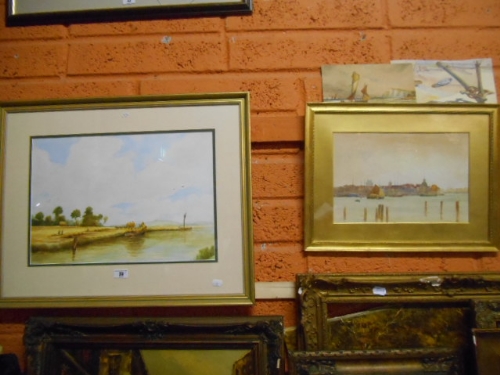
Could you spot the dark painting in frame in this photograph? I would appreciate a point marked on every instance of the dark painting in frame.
(232, 345)
(391, 311)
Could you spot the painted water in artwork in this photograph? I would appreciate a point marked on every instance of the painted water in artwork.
(401, 177)
(128, 198)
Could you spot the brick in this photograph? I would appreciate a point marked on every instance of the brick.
(446, 44)
(314, 89)
(29, 33)
(63, 89)
(277, 128)
(462, 264)
(276, 92)
(372, 263)
(286, 309)
(311, 14)
(279, 263)
(444, 13)
(148, 55)
(306, 50)
(32, 60)
(11, 339)
(166, 27)
(491, 263)
(278, 176)
(278, 220)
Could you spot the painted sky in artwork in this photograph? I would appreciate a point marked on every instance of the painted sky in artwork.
(399, 158)
(155, 177)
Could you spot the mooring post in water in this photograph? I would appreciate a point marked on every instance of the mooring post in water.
(457, 210)
(441, 210)
(425, 208)
(387, 214)
(345, 213)
(365, 214)
(379, 213)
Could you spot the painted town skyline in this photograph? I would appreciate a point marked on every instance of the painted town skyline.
(397, 159)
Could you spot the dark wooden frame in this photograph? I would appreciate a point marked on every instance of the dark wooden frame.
(120, 12)
(52, 342)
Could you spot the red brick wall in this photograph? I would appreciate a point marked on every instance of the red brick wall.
(276, 54)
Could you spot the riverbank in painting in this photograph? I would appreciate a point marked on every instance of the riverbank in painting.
(100, 245)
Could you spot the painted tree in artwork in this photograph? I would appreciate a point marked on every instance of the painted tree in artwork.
(38, 219)
(88, 217)
(57, 213)
(75, 214)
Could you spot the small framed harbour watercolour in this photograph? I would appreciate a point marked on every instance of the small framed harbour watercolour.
(401, 177)
(129, 201)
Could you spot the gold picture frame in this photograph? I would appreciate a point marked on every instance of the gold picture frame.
(346, 312)
(238, 345)
(405, 178)
(32, 12)
(133, 218)
(437, 361)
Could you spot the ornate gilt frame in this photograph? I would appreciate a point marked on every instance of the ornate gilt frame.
(437, 361)
(316, 291)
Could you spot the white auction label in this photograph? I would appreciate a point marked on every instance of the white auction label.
(217, 282)
(379, 291)
(120, 274)
(128, 2)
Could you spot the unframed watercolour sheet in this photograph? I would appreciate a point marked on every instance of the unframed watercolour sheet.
(368, 83)
(454, 81)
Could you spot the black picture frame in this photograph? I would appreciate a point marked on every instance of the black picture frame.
(28, 12)
(252, 345)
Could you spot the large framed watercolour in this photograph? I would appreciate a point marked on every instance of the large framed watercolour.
(401, 177)
(26, 12)
(223, 345)
(128, 201)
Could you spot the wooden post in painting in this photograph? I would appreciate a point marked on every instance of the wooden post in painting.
(457, 210)
(380, 212)
(344, 213)
(365, 214)
(387, 214)
(441, 210)
(425, 208)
